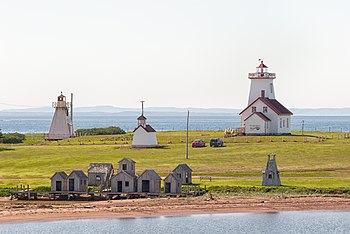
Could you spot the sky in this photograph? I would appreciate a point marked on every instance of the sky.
(173, 53)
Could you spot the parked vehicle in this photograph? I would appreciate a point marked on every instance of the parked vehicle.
(198, 143)
(216, 142)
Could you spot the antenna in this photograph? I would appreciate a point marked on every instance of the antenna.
(188, 116)
(142, 107)
(71, 110)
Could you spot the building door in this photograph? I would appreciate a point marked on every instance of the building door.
(71, 184)
(58, 185)
(145, 186)
(167, 187)
(120, 187)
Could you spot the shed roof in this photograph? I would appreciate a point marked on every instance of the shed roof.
(100, 167)
(275, 105)
(174, 176)
(126, 173)
(261, 115)
(127, 159)
(152, 174)
(79, 173)
(62, 174)
(184, 166)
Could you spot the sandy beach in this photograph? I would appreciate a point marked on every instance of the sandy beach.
(18, 211)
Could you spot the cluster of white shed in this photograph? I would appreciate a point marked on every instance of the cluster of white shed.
(101, 175)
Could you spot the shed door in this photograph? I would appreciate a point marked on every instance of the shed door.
(71, 184)
(120, 186)
(145, 186)
(167, 187)
(58, 185)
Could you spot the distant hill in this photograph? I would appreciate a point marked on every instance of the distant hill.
(168, 111)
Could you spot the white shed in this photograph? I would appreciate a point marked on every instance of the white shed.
(149, 182)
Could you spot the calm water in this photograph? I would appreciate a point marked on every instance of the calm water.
(41, 123)
(279, 222)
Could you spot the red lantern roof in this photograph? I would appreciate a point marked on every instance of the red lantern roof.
(262, 65)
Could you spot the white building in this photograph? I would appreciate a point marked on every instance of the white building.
(144, 134)
(62, 123)
(264, 115)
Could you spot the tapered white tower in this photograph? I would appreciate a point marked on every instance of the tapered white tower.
(261, 83)
(62, 123)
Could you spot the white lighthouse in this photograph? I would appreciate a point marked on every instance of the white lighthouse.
(62, 122)
(264, 115)
(144, 134)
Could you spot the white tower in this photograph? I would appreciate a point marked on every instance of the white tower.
(261, 83)
(62, 123)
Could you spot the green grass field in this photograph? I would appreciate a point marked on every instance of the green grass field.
(316, 160)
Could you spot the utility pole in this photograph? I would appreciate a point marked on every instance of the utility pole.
(188, 116)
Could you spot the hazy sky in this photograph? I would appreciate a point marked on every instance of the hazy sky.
(173, 53)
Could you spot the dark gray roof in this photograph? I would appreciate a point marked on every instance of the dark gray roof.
(152, 174)
(61, 173)
(185, 167)
(175, 177)
(129, 174)
(79, 173)
(127, 159)
(100, 168)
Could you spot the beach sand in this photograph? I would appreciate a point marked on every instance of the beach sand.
(19, 211)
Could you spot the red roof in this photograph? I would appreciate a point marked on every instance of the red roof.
(261, 115)
(262, 65)
(277, 107)
(141, 117)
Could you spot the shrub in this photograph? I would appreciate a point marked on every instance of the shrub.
(12, 138)
(100, 131)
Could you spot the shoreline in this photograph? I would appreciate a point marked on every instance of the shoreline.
(27, 211)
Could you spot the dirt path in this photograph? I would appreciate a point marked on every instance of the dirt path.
(53, 210)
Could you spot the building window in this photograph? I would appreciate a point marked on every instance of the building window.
(265, 109)
(98, 178)
(124, 167)
(126, 183)
(271, 88)
(179, 175)
(270, 176)
(280, 123)
(284, 123)
(253, 108)
(287, 122)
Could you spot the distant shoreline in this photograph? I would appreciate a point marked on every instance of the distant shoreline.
(25, 211)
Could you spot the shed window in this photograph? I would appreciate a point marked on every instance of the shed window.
(124, 167)
(265, 109)
(179, 175)
(280, 123)
(126, 183)
(270, 176)
(253, 108)
(287, 123)
(284, 123)
(98, 178)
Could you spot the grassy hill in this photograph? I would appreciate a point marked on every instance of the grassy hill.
(316, 160)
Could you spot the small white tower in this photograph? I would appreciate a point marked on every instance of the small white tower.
(144, 134)
(261, 83)
(62, 123)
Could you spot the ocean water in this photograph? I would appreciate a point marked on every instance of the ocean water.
(41, 123)
(277, 222)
